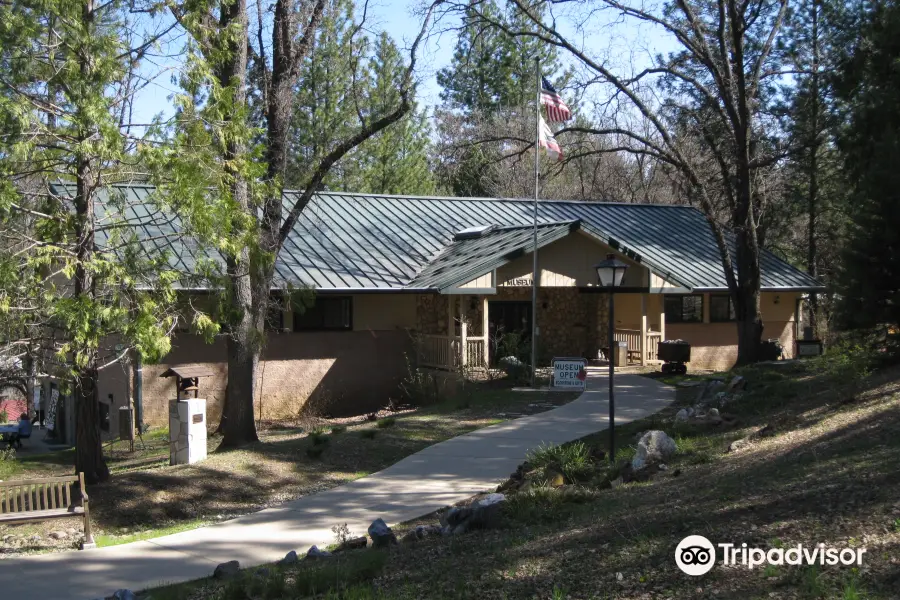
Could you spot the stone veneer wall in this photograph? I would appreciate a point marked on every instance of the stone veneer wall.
(572, 323)
(431, 313)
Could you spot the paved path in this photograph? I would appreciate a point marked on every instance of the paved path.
(435, 477)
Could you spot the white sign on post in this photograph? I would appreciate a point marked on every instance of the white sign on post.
(569, 373)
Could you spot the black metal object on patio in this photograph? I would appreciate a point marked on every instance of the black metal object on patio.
(674, 354)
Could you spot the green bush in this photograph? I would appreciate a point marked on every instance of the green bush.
(387, 422)
(318, 437)
(338, 574)
(573, 461)
(545, 504)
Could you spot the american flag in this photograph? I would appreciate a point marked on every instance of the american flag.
(557, 111)
(549, 142)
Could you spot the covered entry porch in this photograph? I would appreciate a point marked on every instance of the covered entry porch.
(571, 322)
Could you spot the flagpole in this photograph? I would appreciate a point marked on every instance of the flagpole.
(535, 278)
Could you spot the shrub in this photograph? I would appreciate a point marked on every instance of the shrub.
(318, 437)
(368, 434)
(542, 504)
(338, 429)
(386, 422)
(572, 461)
(338, 574)
(420, 387)
(4, 416)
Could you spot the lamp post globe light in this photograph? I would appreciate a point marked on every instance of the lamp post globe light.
(610, 273)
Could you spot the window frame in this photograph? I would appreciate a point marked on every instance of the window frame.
(681, 297)
(297, 316)
(732, 315)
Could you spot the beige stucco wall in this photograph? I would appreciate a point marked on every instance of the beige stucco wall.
(569, 262)
(714, 345)
(342, 372)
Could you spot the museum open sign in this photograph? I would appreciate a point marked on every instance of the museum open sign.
(569, 373)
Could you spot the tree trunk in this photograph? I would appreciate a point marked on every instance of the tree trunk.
(746, 297)
(812, 208)
(237, 426)
(88, 445)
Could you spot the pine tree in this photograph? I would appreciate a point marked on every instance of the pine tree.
(869, 84)
(396, 160)
(331, 95)
(74, 270)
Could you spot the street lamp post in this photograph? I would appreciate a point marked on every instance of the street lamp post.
(610, 274)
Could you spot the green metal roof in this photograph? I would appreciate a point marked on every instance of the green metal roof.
(466, 259)
(359, 242)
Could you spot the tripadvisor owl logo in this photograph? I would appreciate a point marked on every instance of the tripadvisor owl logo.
(695, 555)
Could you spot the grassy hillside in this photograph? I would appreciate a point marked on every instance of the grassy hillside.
(824, 470)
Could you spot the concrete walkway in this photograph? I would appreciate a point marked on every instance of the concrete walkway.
(433, 478)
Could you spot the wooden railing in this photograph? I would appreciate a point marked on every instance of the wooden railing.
(443, 352)
(476, 352)
(632, 337)
(653, 340)
(438, 351)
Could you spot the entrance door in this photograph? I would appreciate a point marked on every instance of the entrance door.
(509, 317)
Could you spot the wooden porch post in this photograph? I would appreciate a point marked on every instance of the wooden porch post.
(643, 330)
(485, 326)
(451, 331)
(662, 321)
(463, 333)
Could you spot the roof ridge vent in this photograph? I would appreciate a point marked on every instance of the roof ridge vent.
(471, 233)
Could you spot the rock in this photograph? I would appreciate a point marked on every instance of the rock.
(8, 538)
(682, 415)
(424, 531)
(620, 577)
(314, 553)
(289, 559)
(713, 413)
(557, 480)
(34, 538)
(690, 383)
(381, 534)
(354, 543)
(124, 594)
(767, 431)
(409, 537)
(738, 445)
(227, 569)
(737, 382)
(655, 447)
(58, 535)
(663, 467)
(616, 482)
(486, 511)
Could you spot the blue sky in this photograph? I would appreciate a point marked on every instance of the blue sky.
(620, 42)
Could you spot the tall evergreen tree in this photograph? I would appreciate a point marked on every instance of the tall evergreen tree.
(394, 161)
(329, 97)
(869, 84)
(73, 273)
(490, 78)
(814, 183)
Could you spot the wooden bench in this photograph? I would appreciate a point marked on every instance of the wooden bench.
(32, 500)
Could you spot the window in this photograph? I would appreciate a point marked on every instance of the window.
(326, 313)
(684, 309)
(721, 309)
